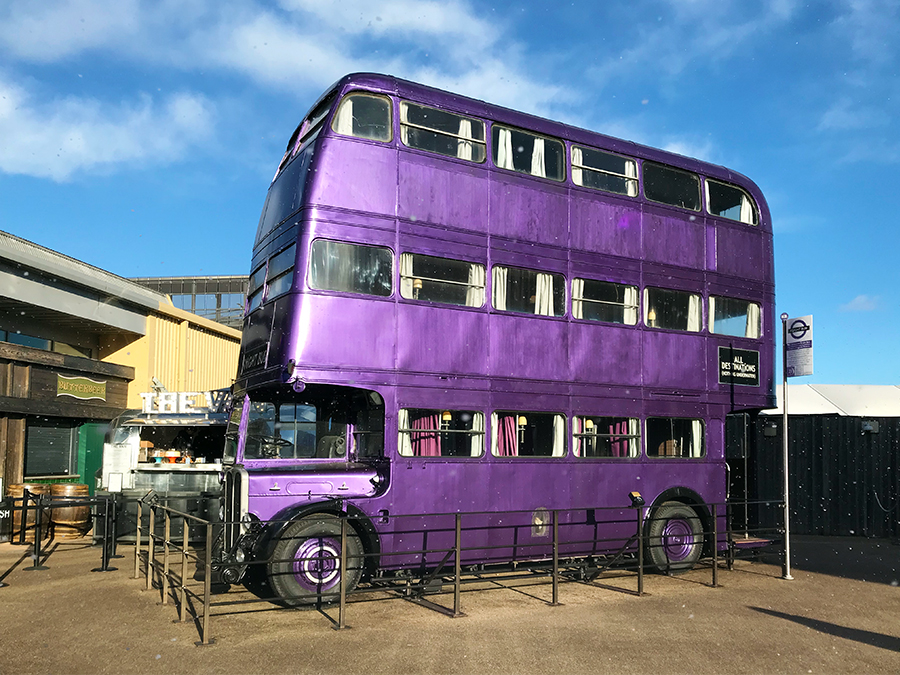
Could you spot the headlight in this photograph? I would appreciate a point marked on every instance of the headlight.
(239, 555)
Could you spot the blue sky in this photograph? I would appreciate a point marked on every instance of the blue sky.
(140, 137)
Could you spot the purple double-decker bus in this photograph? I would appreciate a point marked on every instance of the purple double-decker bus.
(459, 308)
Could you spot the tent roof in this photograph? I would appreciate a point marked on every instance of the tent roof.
(847, 400)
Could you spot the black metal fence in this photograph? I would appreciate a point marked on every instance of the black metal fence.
(444, 571)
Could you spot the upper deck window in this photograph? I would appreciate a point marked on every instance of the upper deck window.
(606, 436)
(441, 433)
(307, 130)
(604, 301)
(272, 279)
(604, 171)
(525, 152)
(350, 268)
(730, 316)
(528, 434)
(673, 310)
(364, 116)
(731, 202)
(675, 187)
(442, 132)
(528, 291)
(452, 282)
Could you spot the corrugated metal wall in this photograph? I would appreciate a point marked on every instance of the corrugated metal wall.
(843, 481)
(186, 357)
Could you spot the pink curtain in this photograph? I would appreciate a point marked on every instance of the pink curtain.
(427, 442)
(507, 436)
(619, 445)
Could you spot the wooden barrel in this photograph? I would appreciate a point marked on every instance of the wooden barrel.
(17, 492)
(70, 522)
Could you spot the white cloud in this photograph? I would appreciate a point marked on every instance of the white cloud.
(58, 138)
(846, 114)
(861, 303)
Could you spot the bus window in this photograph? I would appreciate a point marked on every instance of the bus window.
(606, 436)
(441, 132)
(604, 301)
(527, 291)
(452, 282)
(672, 310)
(364, 116)
(441, 433)
(350, 268)
(604, 171)
(528, 434)
(293, 431)
(523, 152)
(675, 437)
(666, 185)
(730, 316)
(730, 202)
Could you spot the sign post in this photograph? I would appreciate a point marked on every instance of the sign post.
(797, 360)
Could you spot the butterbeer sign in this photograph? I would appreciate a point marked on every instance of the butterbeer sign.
(738, 366)
(81, 388)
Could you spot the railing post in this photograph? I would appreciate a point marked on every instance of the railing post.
(184, 547)
(715, 575)
(23, 518)
(640, 543)
(555, 601)
(207, 581)
(167, 528)
(342, 566)
(457, 568)
(137, 542)
(38, 531)
(151, 546)
(114, 526)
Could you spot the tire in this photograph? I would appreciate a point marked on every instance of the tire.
(674, 538)
(306, 561)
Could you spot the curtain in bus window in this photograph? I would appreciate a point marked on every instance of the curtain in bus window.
(464, 147)
(543, 297)
(617, 442)
(577, 439)
(746, 210)
(631, 305)
(696, 438)
(477, 435)
(406, 275)
(577, 295)
(343, 123)
(559, 436)
(505, 150)
(577, 161)
(426, 440)
(475, 292)
(694, 314)
(504, 435)
(538, 167)
(403, 436)
(498, 287)
(632, 185)
(752, 330)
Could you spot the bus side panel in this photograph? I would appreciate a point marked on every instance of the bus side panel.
(440, 340)
(675, 360)
(431, 191)
(526, 347)
(371, 184)
(605, 353)
(518, 211)
(343, 331)
(612, 227)
(740, 253)
(673, 240)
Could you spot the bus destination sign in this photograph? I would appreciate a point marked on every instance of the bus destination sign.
(738, 366)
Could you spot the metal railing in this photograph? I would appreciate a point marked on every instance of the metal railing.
(442, 569)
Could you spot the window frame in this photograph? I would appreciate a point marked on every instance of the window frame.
(472, 433)
(625, 307)
(633, 440)
(754, 207)
(336, 119)
(309, 268)
(584, 167)
(666, 167)
(703, 445)
(413, 277)
(440, 132)
(558, 435)
(649, 307)
(563, 285)
(711, 319)
(495, 152)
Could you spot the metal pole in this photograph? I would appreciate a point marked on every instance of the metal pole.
(38, 533)
(151, 546)
(715, 515)
(184, 562)
(457, 568)
(786, 563)
(114, 526)
(207, 580)
(167, 529)
(555, 601)
(343, 569)
(137, 543)
(640, 541)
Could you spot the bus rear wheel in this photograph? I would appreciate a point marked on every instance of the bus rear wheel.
(674, 538)
(306, 562)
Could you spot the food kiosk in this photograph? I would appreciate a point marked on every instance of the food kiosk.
(173, 447)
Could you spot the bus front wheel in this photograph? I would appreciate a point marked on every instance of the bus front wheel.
(674, 538)
(306, 562)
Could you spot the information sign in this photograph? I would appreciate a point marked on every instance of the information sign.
(798, 345)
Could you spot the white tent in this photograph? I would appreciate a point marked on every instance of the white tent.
(845, 400)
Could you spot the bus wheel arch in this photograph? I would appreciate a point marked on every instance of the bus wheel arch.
(676, 531)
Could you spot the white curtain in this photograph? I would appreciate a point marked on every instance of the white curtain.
(543, 297)
(504, 151)
(634, 430)
(578, 441)
(746, 210)
(406, 275)
(464, 147)
(404, 118)
(577, 160)
(694, 315)
(537, 159)
(712, 314)
(559, 436)
(475, 293)
(577, 295)
(631, 305)
(404, 440)
(631, 172)
(498, 287)
(344, 121)
(696, 438)
(752, 330)
(477, 438)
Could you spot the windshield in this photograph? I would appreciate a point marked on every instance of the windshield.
(229, 454)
